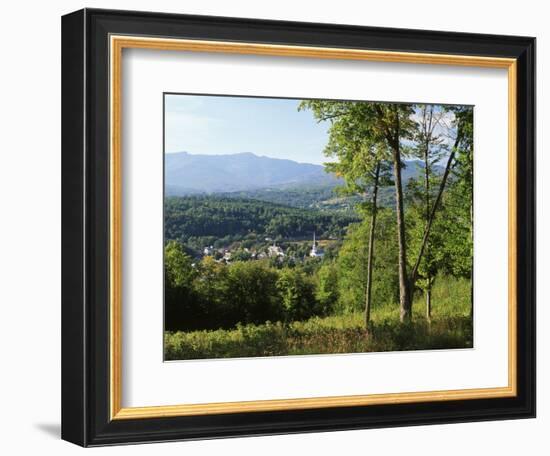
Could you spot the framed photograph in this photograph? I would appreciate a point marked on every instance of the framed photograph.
(278, 227)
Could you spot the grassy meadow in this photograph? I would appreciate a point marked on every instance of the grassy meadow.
(450, 327)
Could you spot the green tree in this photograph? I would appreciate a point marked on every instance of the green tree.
(361, 163)
(210, 287)
(250, 292)
(296, 291)
(178, 265)
(429, 149)
(240, 255)
(461, 135)
(327, 293)
(363, 135)
(431, 262)
(179, 300)
(463, 185)
(352, 265)
(456, 250)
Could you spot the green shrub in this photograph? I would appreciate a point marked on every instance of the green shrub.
(451, 327)
(296, 294)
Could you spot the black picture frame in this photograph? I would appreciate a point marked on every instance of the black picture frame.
(85, 227)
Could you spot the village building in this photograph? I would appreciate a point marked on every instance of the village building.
(315, 251)
(274, 251)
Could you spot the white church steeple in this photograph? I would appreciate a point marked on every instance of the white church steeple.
(315, 252)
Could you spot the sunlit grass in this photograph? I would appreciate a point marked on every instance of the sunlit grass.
(450, 327)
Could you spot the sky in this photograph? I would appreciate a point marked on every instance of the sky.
(220, 125)
(271, 127)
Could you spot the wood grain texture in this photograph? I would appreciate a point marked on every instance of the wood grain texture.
(116, 231)
(165, 44)
(512, 227)
(309, 403)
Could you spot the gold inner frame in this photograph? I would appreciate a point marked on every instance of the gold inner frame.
(117, 44)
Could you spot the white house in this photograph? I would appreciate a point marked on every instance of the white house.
(275, 251)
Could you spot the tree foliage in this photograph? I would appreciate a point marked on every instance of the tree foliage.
(203, 220)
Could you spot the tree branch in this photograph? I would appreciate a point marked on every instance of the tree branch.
(414, 272)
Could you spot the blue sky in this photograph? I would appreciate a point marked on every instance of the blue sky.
(217, 125)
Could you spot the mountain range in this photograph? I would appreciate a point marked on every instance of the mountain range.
(187, 173)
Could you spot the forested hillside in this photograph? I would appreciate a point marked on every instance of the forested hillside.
(207, 219)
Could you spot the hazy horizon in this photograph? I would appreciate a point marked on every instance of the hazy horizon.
(227, 125)
(248, 153)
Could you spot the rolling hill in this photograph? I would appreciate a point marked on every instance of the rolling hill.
(189, 173)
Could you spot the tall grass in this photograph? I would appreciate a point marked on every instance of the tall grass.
(451, 327)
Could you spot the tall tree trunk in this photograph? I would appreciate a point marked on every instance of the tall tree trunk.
(405, 305)
(429, 301)
(428, 290)
(368, 292)
(392, 137)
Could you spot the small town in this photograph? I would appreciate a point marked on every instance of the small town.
(274, 251)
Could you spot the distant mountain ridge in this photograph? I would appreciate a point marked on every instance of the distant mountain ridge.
(187, 173)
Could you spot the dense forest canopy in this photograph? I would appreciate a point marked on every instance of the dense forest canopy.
(215, 217)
